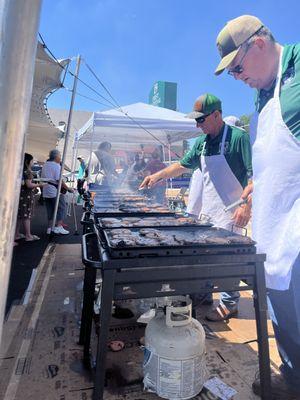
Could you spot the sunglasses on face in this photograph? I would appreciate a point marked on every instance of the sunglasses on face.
(200, 120)
(238, 69)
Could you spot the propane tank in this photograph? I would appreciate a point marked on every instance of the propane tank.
(174, 355)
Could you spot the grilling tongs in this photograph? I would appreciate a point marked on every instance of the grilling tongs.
(235, 204)
(148, 187)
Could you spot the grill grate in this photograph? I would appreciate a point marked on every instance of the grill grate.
(134, 242)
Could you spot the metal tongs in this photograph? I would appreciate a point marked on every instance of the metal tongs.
(147, 187)
(235, 204)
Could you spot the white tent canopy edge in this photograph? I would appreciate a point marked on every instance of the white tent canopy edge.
(118, 128)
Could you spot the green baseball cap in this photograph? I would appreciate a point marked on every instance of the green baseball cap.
(204, 105)
(233, 35)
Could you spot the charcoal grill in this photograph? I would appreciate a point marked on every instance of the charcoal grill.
(170, 274)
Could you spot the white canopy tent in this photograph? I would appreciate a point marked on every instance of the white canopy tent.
(128, 127)
(42, 134)
(231, 120)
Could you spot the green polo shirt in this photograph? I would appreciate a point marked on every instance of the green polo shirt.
(289, 91)
(237, 152)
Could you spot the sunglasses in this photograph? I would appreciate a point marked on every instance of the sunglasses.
(238, 69)
(200, 120)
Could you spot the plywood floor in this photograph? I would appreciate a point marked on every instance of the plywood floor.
(41, 359)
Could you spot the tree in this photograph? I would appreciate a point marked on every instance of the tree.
(245, 121)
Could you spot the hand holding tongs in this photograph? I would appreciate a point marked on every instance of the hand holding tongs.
(235, 204)
(147, 187)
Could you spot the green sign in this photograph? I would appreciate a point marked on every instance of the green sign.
(164, 94)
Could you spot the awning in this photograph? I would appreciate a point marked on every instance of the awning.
(42, 135)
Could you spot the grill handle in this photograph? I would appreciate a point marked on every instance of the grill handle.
(86, 218)
(242, 228)
(87, 206)
(86, 259)
(204, 218)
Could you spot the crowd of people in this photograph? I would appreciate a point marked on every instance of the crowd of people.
(101, 170)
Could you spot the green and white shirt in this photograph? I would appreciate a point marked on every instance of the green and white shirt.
(289, 91)
(237, 151)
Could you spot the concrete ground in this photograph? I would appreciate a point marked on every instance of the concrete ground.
(27, 255)
(40, 357)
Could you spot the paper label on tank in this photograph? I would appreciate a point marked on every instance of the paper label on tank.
(173, 379)
(181, 379)
(169, 377)
(150, 370)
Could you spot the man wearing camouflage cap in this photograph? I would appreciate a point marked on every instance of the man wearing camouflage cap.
(250, 53)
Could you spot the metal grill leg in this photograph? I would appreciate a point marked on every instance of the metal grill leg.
(87, 311)
(108, 279)
(260, 305)
(83, 311)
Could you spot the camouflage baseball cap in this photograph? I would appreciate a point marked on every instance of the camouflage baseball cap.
(233, 35)
(204, 105)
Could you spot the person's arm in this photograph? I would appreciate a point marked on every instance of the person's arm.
(68, 169)
(172, 171)
(28, 181)
(66, 187)
(242, 214)
(57, 176)
(247, 192)
(30, 185)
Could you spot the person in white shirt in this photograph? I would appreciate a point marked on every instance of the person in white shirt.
(51, 171)
(101, 167)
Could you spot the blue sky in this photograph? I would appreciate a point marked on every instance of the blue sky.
(133, 43)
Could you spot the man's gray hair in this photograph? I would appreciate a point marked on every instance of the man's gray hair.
(263, 32)
(53, 154)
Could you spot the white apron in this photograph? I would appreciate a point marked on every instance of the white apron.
(195, 194)
(220, 187)
(276, 196)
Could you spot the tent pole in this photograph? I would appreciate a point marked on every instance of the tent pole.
(73, 166)
(76, 155)
(91, 152)
(164, 153)
(164, 161)
(67, 135)
(19, 22)
(170, 161)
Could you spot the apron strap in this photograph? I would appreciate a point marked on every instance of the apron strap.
(223, 142)
(203, 148)
(224, 139)
(278, 80)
